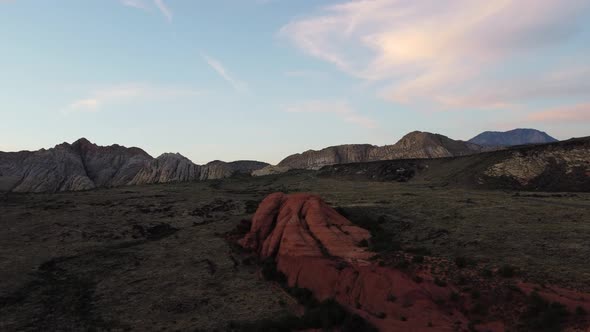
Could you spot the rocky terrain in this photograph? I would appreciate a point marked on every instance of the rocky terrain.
(413, 145)
(306, 238)
(83, 166)
(561, 166)
(511, 138)
(159, 257)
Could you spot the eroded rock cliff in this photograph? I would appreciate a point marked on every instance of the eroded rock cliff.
(413, 145)
(84, 165)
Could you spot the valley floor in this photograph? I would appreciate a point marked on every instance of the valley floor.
(155, 257)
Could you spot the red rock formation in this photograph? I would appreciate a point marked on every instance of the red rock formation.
(317, 248)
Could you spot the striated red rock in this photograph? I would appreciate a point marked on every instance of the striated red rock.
(317, 248)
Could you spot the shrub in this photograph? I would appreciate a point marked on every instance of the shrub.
(303, 295)
(419, 251)
(270, 272)
(542, 315)
(461, 262)
(507, 271)
(382, 240)
(403, 264)
(580, 311)
(487, 273)
(418, 259)
(439, 282)
(479, 309)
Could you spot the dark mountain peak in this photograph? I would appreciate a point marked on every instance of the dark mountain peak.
(83, 141)
(424, 138)
(519, 136)
(170, 155)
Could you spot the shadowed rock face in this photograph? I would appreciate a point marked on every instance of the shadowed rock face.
(341, 154)
(512, 137)
(110, 166)
(169, 167)
(414, 145)
(316, 248)
(219, 169)
(83, 166)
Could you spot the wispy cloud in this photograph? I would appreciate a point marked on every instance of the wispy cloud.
(164, 9)
(577, 114)
(220, 69)
(125, 93)
(439, 51)
(148, 5)
(311, 74)
(340, 108)
(140, 4)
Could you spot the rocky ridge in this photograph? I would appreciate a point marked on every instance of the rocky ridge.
(84, 166)
(560, 166)
(413, 145)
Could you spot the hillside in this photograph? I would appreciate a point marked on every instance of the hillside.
(561, 166)
(413, 145)
(84, 165)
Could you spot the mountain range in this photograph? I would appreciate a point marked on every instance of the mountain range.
(83, 165)
(416, 144)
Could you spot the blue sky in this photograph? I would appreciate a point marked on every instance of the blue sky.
(262, 79)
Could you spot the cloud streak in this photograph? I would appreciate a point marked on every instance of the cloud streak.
(342, 109)
(127, 93)
(221, 70)
(445, 52)
(576, 114)
(148, 5)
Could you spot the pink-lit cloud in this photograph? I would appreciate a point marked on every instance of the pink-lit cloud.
(577, 114)
(439, 51)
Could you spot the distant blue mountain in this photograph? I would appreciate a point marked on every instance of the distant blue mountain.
(512, 137)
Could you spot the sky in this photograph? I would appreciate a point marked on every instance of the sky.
(262, 79)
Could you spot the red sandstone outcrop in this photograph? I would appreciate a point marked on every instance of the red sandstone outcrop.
(317, 248)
